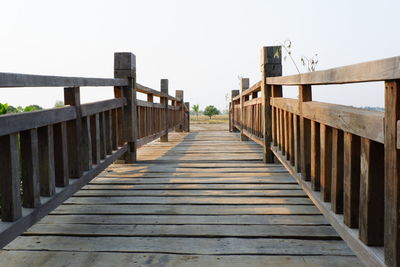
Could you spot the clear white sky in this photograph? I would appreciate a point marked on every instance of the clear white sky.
(200, 46)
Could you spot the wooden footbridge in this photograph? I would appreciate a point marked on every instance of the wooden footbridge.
(125, 182)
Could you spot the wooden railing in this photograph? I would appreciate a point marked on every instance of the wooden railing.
(48, 155)
(350, 155)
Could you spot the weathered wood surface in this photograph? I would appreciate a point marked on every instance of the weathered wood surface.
(28, 80)
(377, 70)
(214, 204)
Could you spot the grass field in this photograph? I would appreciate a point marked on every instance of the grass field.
(201, 119)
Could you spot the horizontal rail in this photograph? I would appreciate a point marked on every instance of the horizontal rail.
(142, 103)
(372, 71)
(254, 88)
(101, 106)
(146, 90)
(173, 108)
(18, 122)
(364, 123)
(29, 80)
(251, 102)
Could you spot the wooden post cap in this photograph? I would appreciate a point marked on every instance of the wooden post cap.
(179, 94)
(271, 55)
(164, 86)
(234, 93)
(124, 65)
(244, 84)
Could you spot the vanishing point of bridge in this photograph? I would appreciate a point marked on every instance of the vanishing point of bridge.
(126, 182)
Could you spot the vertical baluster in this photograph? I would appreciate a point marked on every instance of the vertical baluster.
(279, 128)
(179, 96)
(165, 111)
(61, 154)
(282, 130)
(372, 193)
(337, 171)
(86, 144)
(315, 156)
(286, 120)
(30, 168)
(95, 137)
(305, 133)
(10, 178)
(291, 138)
(326, 161)
(351, 181)
(46, 161)
(244, 85)
(102, 129)
(108, 131)
(119, 118)
(114, 133)
(297, 146)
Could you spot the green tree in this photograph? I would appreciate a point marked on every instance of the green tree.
(211, 111)
(32, 108)
(196, 110)
(59, 104)
(12, 109)
(3, 108)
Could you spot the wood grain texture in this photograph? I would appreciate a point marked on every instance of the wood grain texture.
(315, 156)
(28, 80)
(378, 70)
(351, 179)
(10, 178)
(61, 154)
(305, 95)
(30, 168)
(337, 171)
(392, 175)
(372, 193)
(326, 162)
(46, 161)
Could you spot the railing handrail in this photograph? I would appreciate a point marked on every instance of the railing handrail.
(31, 80)
(371, 71)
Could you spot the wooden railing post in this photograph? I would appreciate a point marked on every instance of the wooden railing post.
(392, 173)
(164, 101)
(125, 67)
(305, 133)
(187, 117)
(234, 93)
(271, 66)
(179, 95)
(244, 85)
(74, 132)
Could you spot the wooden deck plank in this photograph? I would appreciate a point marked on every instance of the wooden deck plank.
(183, 200)
(83, 259)
(258, 231)
(181, 192)
(187, 209)
(176, 245)
(186, 219)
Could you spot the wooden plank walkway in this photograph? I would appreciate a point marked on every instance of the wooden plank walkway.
(202, 199)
